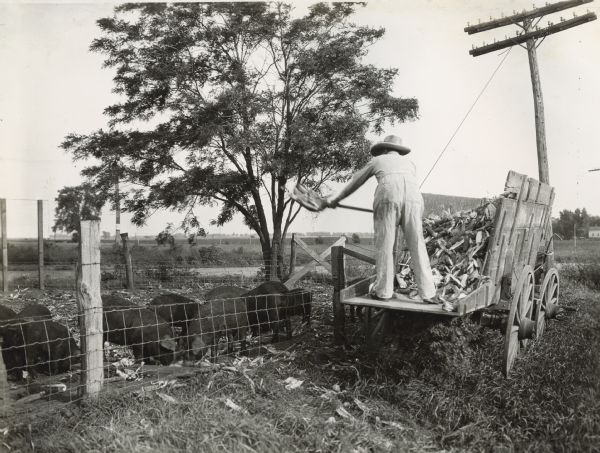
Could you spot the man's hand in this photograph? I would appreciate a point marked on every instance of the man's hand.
(332, 202)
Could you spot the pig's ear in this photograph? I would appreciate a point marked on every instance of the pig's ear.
(168, 343)
(197, 345)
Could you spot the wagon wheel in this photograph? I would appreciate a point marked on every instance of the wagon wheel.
(547, 305)
(519, 325)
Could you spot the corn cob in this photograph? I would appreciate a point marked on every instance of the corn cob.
(456, 245)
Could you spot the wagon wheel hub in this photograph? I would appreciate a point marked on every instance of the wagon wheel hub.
(551, 310)
(546, 306)
(526, 329)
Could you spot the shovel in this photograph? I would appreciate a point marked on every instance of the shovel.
(312, 201)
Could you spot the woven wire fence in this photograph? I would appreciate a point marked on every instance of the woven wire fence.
(155, 275)
(43, 353)
(182, 312)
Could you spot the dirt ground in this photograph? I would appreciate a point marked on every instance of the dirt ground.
(432, 387)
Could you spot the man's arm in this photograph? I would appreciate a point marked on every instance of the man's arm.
(357, 180)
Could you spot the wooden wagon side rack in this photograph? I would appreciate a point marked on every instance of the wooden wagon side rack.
(522, 287)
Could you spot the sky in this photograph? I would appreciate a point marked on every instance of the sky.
(52, 85)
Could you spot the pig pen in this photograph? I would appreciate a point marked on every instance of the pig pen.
(218, 334)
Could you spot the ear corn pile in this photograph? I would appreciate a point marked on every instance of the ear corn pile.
(457, 245)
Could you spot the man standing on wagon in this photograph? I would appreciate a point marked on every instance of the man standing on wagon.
(398, 202)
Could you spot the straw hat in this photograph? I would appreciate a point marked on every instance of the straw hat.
(390, 143)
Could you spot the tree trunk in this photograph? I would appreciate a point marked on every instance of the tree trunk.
(280, 261)
(273, 254)
(274, 264)
(266, 254)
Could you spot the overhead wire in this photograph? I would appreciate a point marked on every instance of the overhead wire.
(466, 115)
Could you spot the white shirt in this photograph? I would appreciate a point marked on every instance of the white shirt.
(391, 163)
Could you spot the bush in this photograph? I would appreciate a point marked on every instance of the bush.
(355, 238)
(585, 274)
(62, 252)
(163, 273)
(112, 255)
(319, 240)
(166, 236)
(210, 255)
(18, 254)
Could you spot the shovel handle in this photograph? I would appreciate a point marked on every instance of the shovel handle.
(354, 208)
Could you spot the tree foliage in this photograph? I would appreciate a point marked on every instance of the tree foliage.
(231, 102)
(74, 204)
(570, 221)
(166, 237)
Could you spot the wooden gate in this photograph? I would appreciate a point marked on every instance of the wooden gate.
(317, 259)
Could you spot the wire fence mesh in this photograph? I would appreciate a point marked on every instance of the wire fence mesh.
(153, 265)
(41, 355)
(161, 274)
(194, 312)
(43, 352)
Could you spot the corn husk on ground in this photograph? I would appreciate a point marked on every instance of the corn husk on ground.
(457, 245)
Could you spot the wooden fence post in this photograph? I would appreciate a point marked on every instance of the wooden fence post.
(338, 270)
(90, 308)
(128, 266)
(4, 245)
(40, 217)
(6, 406)
(292, 255)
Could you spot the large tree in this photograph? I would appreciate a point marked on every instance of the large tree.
(570, 221)
(225, 103)
(77, 203)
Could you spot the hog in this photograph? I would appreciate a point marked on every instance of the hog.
(13, 351)
(175, 308)
(182, 312)
(7, 314)
(115, 301)
(146, 332)
(298, 302)
(49, 347)
(225, 292)
(265, 305)
(36, 312)
(223, 317)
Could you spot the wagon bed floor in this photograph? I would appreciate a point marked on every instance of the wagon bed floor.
(400, 303)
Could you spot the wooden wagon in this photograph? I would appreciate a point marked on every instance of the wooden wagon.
(520, 294)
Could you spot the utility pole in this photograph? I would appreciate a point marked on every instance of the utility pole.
(117, 204)
(529, 35)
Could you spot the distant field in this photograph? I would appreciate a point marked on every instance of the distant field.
(586, 251)
(207, 251)
(436, 203)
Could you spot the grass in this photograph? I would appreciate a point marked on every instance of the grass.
(585, 251)
(436, 386)
(271, 419)
(587, 274)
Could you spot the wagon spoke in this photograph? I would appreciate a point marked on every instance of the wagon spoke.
(553, 292)
(520, 322)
